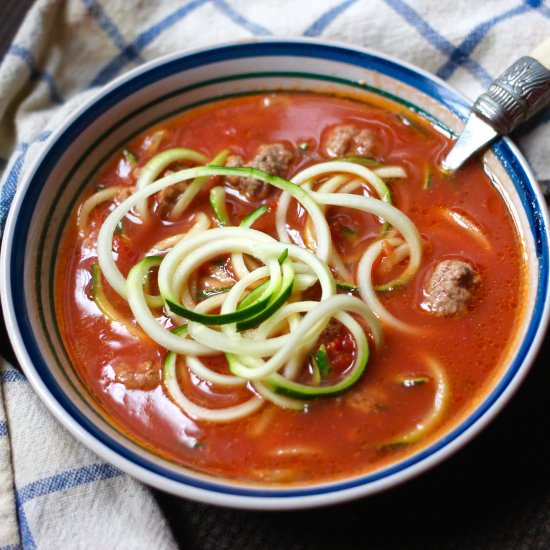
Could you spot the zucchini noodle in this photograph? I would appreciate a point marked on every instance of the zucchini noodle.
(440, 402)
(226, 414)
(468, 225)
(337, 169)
(367, 289)
(202, 223)
(259, 319)
(105, 237)
(390, 172)
(157, 165)
(343, 167)
(237, 260)
(392, 215)
(96, 199)
(181, 203)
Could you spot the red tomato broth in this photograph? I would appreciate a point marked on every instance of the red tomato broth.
(340, 439)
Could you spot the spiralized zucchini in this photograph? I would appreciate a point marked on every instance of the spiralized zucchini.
(440, 403)
(260, 319)
(99, 197)
(158, 164)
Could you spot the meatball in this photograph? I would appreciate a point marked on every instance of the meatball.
(450, 287)
(141, 376)
(272, 158)
(347, 139)
(363, 143)
(168, 196)
(367, 399)
(234, 161)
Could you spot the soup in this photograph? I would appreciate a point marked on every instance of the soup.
(284, 288)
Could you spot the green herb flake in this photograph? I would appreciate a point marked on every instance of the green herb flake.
(393, 446)
(303, 146)
(321, 361)
(130, 157)
(427, 179)
(348, 232)
(348, 287)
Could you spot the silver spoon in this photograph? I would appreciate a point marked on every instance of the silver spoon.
(516, 95)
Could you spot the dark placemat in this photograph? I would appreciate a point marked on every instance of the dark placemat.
(11, 15)
(493, 494)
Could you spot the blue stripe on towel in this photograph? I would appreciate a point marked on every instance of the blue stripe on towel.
(12, 375)
(462, 53)
(324, 20)
(436, 39)
(106, 23)
(10, 183)
(36, 72)
(67, 480)
(53, 484)
(24, 528)
(131, 51)
(239, 19)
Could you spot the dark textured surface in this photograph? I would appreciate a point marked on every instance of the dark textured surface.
(11, 14)
(494, 494)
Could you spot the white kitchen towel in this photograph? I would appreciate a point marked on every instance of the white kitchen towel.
(61, 495)
(53, 492)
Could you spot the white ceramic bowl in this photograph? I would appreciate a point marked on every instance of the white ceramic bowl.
(167, 86)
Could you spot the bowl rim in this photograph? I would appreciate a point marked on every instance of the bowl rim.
(317, 495)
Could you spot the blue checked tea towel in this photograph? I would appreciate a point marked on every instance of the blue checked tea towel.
(54, 493)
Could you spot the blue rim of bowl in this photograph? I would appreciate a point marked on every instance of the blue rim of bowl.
(363, 59)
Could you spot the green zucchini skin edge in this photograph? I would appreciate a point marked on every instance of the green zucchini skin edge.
(217, 202)
(240, 315)
(321, 361)
(343, 285)
(290, 388)
(250, 220)
(277, 301)
(252, 296)
(153, 261)
(366, 161)
(220, 319)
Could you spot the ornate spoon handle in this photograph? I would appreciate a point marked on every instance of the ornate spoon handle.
(518, 93)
